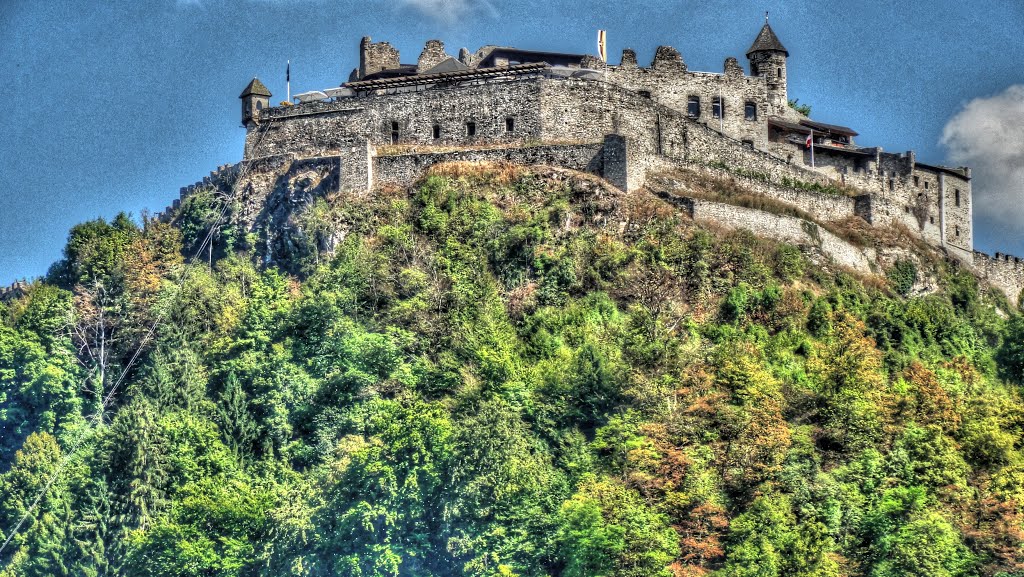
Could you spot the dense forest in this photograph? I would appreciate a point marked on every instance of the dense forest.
(503, 372)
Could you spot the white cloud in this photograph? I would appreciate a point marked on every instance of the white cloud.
(450, 12)
(988, 135)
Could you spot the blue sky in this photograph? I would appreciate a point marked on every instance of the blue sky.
(112, 106)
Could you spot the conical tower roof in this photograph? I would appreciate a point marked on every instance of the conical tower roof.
(256, 88)
(767, 41)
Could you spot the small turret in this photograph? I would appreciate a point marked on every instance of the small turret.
(767, 58)
(255, 97)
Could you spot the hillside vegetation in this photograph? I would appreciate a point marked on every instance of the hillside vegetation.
(503, 372)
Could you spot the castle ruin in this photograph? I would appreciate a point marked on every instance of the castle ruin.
(392, 120)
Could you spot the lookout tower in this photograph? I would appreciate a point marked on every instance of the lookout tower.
(255, 97)
(767, 58)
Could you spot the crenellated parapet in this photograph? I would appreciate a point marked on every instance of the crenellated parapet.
(1003, 271)
(14, 290)
(223, 178)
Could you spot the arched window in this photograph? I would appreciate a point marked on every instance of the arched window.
(693, 107)
(259, 105)
(750, 111)
(718, 107)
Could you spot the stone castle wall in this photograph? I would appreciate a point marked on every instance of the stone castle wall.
(786, 229)
(410, 117)
(1004, 272)
(404, 169)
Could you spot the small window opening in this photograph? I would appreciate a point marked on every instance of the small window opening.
(926, 185)
(644, 93)
(917, 180)
(718, 107)
(510, 124)
(750, 111)
(693, 107)
(778, 72)
(906, 209)
(957, 197)
(437, 131)
(931, 219)
(748, 143)
(470, 129)
(892, 184)
(259, 105)
(957, 230)
(394, 133)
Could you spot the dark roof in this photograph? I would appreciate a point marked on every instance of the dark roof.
(447, 65)
(767, 40)
(444, 76)
(256, 88)
(789, 125)
(402, 70)
(830, 128)
(959, 172)
(529, 56)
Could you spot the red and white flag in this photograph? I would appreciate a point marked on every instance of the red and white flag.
(810, 140)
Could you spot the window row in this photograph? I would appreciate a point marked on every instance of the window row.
(718, 108)
(470, 129)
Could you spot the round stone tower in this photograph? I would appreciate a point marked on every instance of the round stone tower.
(767, 58)
(255, 97)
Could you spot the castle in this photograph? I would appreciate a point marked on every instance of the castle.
(392, 120)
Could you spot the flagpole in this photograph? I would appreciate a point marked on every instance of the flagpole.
(812, 148)
(288, 79)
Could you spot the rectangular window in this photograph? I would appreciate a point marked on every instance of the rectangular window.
(394, 133)
(510, 124)
(437, 131)
(750, 111)
(917, 180)
(958, 197)
(926, 185)
(470, 129)
(693, 107)
(644, 93)
(748, 143)
(718, 107)
(957, 231)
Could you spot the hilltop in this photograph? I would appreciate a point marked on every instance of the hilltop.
(512, 370)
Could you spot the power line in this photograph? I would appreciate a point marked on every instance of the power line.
(109, 397)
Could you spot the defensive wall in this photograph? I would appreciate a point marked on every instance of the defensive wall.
(1004, 272)
(788, 229)
(15, 290)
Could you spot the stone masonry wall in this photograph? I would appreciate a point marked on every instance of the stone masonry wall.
(1002, 271)
(374, 57)
(673, 85)
(824, 207)
(404, 118)
(404, 169)
(786, 229)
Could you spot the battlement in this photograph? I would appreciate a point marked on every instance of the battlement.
(14, 291)
(223, 178)
(1003, 271)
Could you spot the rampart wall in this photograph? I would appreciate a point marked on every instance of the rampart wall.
(785, 229)
(462, 115)
(405, 169)
(15, 290)
(1004, 272)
